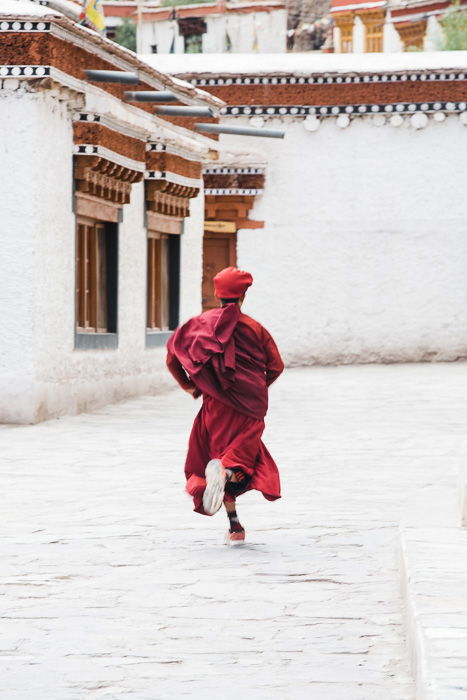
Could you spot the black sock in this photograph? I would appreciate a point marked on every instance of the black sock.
(234, 522)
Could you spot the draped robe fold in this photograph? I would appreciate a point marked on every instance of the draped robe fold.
(228, 361)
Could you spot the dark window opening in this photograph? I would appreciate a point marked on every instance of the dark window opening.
(96, 276)
(194, 43)
(163, 282)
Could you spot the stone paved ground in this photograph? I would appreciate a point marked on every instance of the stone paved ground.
(110, 587)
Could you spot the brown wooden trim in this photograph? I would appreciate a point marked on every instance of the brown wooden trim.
(231, 208)
(91, 276)
(220, 227)
(104, 180)
(412, 34)
(95, 208)
(158, 283)
(161, 223)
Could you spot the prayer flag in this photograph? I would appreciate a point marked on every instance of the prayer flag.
(93, 14)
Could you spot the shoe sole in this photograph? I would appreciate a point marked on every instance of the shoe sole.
(233, 543)
(215, 487)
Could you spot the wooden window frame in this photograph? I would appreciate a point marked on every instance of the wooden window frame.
(163, 281)
(345, 23)
(374, 30)
(95, 281)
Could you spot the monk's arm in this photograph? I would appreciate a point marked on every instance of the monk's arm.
(274, 366)
(179, 374)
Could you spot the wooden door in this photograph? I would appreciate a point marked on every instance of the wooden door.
(219, 251)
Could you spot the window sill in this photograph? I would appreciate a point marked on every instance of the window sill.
(96, 341)
(157, 339)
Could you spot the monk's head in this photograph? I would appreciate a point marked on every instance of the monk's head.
(231, 284)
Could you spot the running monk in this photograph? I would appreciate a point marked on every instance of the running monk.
(231, 360)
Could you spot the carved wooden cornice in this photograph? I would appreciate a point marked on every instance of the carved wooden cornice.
(344, 20)
(169, 198)
(168, 204)
(231, 208)
(372, 17)
(412, 33)
(101, 178)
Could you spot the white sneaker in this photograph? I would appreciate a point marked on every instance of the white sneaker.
(215, 486)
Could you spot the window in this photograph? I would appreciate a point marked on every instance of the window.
(345, 23)
(347, 38)
(192, 30)
(194, 43)
(163, 281)
(158, 283)
(96, 276)
(374, 26)
(374, 38)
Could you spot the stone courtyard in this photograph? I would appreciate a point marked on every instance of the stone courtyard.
(111, 587)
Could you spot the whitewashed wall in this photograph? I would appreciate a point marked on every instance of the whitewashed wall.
(391, 40)
(191, 269)
(363, 257)
(358, 36)
(434, 35)
(41, 374)
(268, 27)
(18, 208)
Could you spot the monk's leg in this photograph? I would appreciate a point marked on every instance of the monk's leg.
(195, 464)
(236, 533)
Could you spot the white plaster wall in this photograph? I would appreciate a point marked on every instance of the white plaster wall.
(363, 257)
(18, 205)
(336, 33)
(161, 34)
(269, 27)
(358, 36)
(434, 35)
(391, 40)
(41, 374)
(191, 255)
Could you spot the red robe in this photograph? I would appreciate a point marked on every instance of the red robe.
(230, 359)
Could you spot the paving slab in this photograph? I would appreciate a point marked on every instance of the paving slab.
(111, 587)
(434, 582)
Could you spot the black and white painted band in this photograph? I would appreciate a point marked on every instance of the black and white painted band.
(233, 171)
(335, 110)
(233, 191)
(336, 78)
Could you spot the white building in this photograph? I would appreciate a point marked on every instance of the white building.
(101, 216)
(357, 219)
(353, 225)
(373, 26)
(213, 27)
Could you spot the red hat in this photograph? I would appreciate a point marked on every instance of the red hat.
(232, 283)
